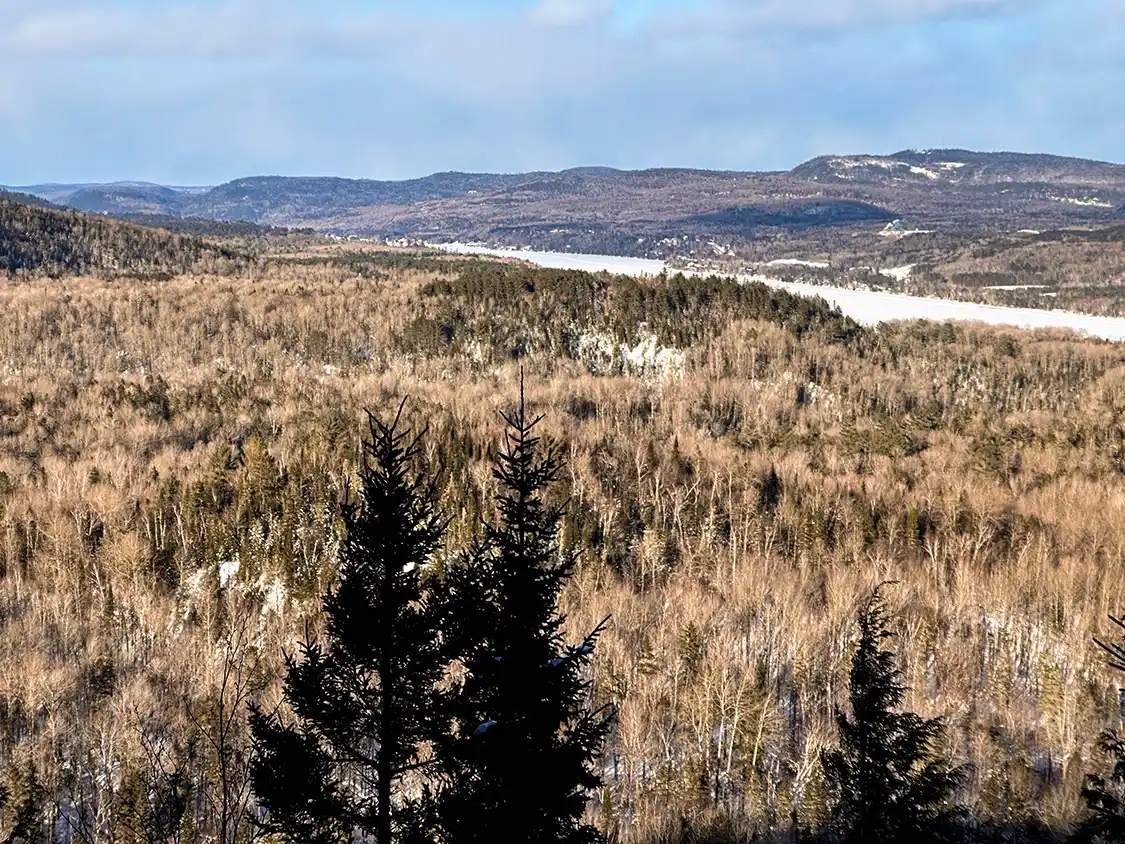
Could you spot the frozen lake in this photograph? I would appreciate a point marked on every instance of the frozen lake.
(564, 260)
(864, 306)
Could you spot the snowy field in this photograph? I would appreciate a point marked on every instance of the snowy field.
(864, 306)
(564, 260)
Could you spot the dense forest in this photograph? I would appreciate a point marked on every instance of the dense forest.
(775, 508)
(226, 229)
(39, 240)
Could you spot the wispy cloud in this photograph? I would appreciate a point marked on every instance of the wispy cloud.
(737, 17)
(567, 13)
(235, 29)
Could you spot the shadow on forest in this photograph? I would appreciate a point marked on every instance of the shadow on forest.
(720, 832)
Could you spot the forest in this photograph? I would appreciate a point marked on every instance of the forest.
(39, 239)
(760, 508)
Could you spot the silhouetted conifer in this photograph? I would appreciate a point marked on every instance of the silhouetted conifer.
(1105, 797)
(21, 802)
(366, 704)
(522, 759)
(886, 779)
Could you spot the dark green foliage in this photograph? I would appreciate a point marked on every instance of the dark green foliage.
(521, 763)
(37, 240)
(21, 804)
(376, 263)
(295, 781)
(515, 310)
(887, 781)
(365, 703)
(1105, 797)
(200, 227)
(769, 491)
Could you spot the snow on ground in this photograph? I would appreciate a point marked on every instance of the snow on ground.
(1086, 200)
(796, 262)
(869, 307)
(897, 229)
(1016, 286)
(227, 570)
(563, 260)
(852, 163)
(898, 273)
(864, 306)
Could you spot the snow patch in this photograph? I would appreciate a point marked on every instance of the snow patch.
(1091, 201)
(562, 260)
(898, 273)
(273, 594)
(797, 262)
(922, 171)
(227, 571)
(602, 354)
(895, 228)
(852, 163)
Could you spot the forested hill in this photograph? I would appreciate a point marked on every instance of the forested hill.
(39, 240)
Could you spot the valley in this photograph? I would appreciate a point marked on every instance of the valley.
(753, 445)
(865, 305)
(1007, 229)
(743, 467)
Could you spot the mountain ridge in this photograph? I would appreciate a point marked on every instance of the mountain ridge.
(603, 207)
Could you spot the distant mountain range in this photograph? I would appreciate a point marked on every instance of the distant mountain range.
(631, 212)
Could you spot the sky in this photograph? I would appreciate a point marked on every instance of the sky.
(195, 92)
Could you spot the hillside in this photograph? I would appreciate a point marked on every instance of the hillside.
(286, 200)
(744, 467)
(962, 167)
(25, 199)
(128, 198)
(41, 240)
(656, 212)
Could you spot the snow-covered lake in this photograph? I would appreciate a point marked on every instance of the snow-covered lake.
(564, 260)
(864, 306)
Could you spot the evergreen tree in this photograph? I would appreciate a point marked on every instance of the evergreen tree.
(1105, 798)
(886, 780)
(366, 704)
(20, 808)
(521, 760)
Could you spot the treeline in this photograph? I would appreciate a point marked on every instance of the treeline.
(44, 241)
(201, 227)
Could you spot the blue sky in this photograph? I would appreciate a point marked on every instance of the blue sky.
(202, 91)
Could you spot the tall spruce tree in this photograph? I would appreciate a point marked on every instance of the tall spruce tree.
(366, 704)
(521, 761)
(886, 779)
(1105, 796)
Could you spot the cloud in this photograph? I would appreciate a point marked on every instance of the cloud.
(190, 92)
(237, 29)
(567, 13)
(738, 17)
